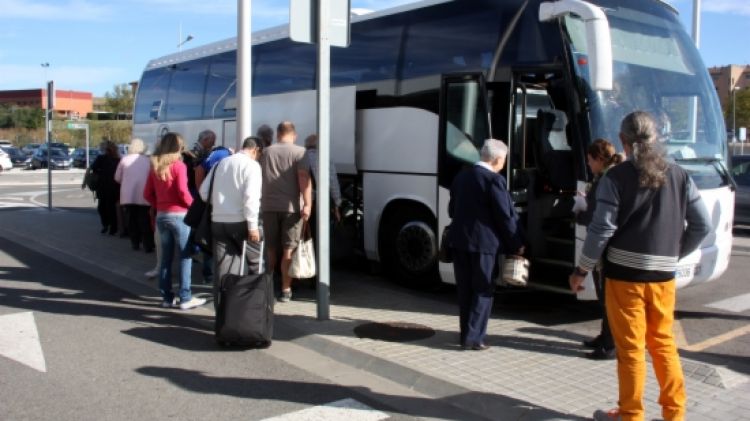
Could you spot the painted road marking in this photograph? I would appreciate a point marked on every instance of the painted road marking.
(679, 335)
(345, 409)
(19, 340)
(736, 304)
(716, 340)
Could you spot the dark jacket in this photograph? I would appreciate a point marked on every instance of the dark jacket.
(104, 166)
(482, 213)
(644, 230)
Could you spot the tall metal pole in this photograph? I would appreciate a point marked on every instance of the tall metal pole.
(697, 23)
(324, 142)
(697, 39)
(244, 68)
(88, 144)
(48, 122)
(734, 113)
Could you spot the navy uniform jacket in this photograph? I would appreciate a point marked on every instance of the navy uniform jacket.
(482, 213)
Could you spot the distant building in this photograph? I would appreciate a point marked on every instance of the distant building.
(726, 78)
(69, 104)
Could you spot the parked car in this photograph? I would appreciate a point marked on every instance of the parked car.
(79, 157)
(57, 145)
(17, 157)
(5, 162)
(123, 149)
(59, 159)
(741, 175)
(30, 148)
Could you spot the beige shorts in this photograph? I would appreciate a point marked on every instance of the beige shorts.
(282, 229)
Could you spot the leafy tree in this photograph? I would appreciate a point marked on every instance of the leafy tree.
(6, 117)
(120, 100)
(743, 108)
(28, 118)
(21, 117)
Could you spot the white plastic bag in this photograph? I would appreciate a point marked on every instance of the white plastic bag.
(303, 258)
(580, 204)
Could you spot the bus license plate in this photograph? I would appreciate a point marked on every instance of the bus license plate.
(684, 272)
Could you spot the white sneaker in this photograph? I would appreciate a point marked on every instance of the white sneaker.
(192, 303)
(152, 273)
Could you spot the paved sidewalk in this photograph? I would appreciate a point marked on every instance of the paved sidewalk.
(532, 371)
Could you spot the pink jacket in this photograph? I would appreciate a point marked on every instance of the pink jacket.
(132, 173)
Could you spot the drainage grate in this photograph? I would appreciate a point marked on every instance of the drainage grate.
(393, 331)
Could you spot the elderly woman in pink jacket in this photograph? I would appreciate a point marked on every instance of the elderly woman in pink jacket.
(132, 173)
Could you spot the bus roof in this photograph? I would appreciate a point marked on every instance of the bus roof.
(273, 34)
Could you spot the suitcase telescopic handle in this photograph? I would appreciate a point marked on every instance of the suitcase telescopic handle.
(242, 259)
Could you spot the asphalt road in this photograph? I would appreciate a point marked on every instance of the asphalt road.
(83, 350)
(712, 318)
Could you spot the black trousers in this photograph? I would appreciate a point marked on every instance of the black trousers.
(107, 208)
(600, 287)
(139, 226)
(227, 247)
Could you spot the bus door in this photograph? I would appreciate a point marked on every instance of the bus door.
(464, 126)
(543, 182)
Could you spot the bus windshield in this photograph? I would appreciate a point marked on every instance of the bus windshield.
(656, 68)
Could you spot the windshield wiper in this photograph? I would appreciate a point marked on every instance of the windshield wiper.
(700, 160)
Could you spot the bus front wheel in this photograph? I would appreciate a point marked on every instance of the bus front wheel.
(409, 248)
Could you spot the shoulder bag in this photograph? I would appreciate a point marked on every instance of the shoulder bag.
(198, 218)
(303, 258)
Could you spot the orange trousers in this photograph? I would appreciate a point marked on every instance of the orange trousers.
(641, 315)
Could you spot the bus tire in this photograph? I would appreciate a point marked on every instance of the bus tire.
(409, 248)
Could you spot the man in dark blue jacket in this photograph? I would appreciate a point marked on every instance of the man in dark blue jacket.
(484, 224)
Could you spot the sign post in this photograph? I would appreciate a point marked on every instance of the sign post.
(325, 22)
(82, 126)
(48, 121)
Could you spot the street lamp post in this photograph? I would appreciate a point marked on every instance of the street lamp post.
(734, 112)
(188, 38)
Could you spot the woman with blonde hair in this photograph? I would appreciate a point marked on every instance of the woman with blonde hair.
(167, 190)
(132, 173)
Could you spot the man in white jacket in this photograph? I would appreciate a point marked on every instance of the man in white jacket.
(235, 199)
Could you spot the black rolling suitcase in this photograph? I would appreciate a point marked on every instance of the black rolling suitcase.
(244, 309)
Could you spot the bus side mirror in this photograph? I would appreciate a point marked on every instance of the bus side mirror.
(598, 39)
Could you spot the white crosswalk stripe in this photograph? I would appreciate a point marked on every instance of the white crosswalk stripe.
(736, 304)
(345, 409)
(19, 340)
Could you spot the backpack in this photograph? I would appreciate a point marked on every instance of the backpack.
(91, 180)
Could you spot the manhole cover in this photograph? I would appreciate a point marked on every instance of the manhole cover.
(393, 331)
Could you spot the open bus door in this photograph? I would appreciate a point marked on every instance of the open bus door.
(465, 123)
(544, 183)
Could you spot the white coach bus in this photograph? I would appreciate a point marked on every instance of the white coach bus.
(421, 86)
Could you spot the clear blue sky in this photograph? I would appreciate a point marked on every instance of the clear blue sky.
(91, 45)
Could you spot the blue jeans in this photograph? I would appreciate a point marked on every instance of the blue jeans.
(173, 230)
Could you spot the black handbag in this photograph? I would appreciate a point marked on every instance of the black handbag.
(198, 218)
(195, 213)
(445, 254)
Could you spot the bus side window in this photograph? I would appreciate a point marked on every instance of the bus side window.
(152, 89)
(221, 86)
(185, 97)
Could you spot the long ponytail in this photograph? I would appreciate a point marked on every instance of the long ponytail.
(639, 130)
